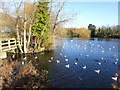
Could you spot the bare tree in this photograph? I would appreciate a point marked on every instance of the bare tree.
(56, 17)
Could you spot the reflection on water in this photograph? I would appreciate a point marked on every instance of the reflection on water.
(79, 63)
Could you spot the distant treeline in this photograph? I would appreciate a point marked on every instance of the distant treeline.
(73, 32)
(105, 32)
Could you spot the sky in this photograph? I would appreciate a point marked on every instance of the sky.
(96, 13)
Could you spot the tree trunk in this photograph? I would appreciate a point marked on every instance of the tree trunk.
(18, 37)
(25, 40)
(28, 44)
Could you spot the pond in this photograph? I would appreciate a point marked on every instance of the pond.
(80, 63)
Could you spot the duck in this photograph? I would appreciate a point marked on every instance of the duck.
(114, 78)
(102, 58)
(77, 59)
(67, 66)
(97, 60)
(97, 71)
(84, 67)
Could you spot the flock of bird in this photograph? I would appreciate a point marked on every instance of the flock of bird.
(51, 60)
(78, 59)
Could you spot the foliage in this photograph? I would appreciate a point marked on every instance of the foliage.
(75, 32)
(41, 28)
(92, 28)
(108, 32)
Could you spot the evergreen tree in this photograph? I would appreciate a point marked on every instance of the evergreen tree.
(41, 27)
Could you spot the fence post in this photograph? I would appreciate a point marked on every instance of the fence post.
(9, 44)
(0, 46)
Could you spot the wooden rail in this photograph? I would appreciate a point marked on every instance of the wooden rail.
(7, 44)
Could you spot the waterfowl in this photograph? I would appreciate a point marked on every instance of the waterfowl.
(71, 40)
(77, 59)
(103, 51)
(106, 61)
(102, 58)
(84, 67)
(58, 61)
(67, 66)
(66, 59)
(114, 56)
(25, 58)
(65, 56)
(115, 63)
(97, 71)
(99, 63)
(116, 74)
(23, 62)
(114, 78)
(49, 61)
(113, 46)
(116, 59)
(81, 54)
(87, 55)
(51, 57)
(60, 54)
(36, 57)
(97, 60)
(91, 51)
(75, 63)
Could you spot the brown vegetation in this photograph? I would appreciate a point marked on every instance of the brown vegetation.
(15, 75)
